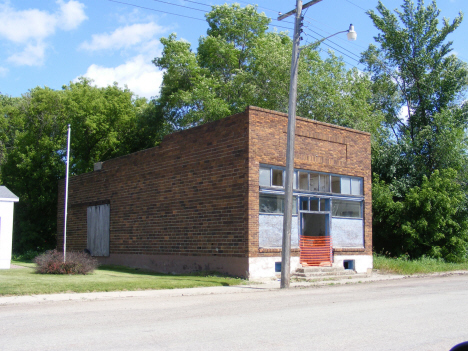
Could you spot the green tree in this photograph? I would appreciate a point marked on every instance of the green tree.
(34, 164)
(104, 123)
(431, 220)
(238, 63)
(412, 70)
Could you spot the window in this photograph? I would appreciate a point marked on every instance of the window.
(346, 208)
(271, 177)
(356, 186)
(314, 182)
(277, 179)
(303, 181)
(324, 182)
(264, 176)
(272, 203)
(314, 204)
(346, 185)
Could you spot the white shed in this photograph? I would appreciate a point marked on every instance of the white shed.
(7, 199)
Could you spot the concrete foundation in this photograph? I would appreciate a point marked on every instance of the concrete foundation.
(264, 267)
(361, 262)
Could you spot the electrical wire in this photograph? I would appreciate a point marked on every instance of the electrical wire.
(329, 33)
(331, 41)
(333, 48)
(150, 9)
(176, 14)
(352, 3)
(187, 7)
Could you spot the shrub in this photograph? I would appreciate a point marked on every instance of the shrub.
(51, 262)
(26, 256)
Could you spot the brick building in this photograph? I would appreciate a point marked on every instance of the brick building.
(211, 198)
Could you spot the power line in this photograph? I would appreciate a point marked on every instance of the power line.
(264, 8)
(150, 9)
(331, 41)
(352, 3)
(331, 47)
(177, 14)
(334, 29)
(187, 7)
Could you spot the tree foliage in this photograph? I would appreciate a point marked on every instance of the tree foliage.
(413, 71)
(239, 63)
(431, 220)
(104, 125)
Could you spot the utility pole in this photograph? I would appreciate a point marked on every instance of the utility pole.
(288, 196)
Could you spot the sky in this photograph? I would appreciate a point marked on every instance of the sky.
(54, 42)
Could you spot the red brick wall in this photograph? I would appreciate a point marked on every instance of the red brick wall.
(186, 196)
(319, 147)
(196, 194)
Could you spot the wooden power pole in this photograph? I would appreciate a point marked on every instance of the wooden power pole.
(288, 203)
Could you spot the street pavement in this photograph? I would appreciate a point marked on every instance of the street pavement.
(376, 313)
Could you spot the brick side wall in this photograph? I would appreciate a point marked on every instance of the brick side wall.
(319, 147)
(185, 197)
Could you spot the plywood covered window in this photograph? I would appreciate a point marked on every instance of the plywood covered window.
(98, 218)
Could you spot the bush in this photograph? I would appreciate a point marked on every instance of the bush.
(26, 256)
(51, 262)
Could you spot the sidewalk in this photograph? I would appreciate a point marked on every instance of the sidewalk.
(250, 287)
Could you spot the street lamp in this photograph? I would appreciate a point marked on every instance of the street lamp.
(288, 193)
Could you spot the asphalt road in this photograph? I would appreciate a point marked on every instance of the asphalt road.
(407, 314)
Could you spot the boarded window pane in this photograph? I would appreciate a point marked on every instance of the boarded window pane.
(98, 221)
(345, 185)
(295, 181)
(303, 181)
(314, 182)
(343, 208)
(336, 184)
(324, 183)
(277, 179)
(356, 186)
(264, 176)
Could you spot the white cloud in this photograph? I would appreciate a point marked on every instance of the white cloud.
(138, 73)
(71, 14)
(3, 71)
(123, 37)
(21, 26)
(32, 55)
(28, 29)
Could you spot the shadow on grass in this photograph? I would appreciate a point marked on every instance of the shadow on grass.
(190, 276)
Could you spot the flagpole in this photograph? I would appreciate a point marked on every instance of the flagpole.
(66, 200)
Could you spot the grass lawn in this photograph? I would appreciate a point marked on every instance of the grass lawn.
(419, 266)
(25, 281)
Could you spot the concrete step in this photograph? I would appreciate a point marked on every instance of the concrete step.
(321, 269)
(303, 277)
(320, 274)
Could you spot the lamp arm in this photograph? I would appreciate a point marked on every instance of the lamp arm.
(321, 40)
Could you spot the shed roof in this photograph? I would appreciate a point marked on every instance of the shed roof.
(7, 195)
